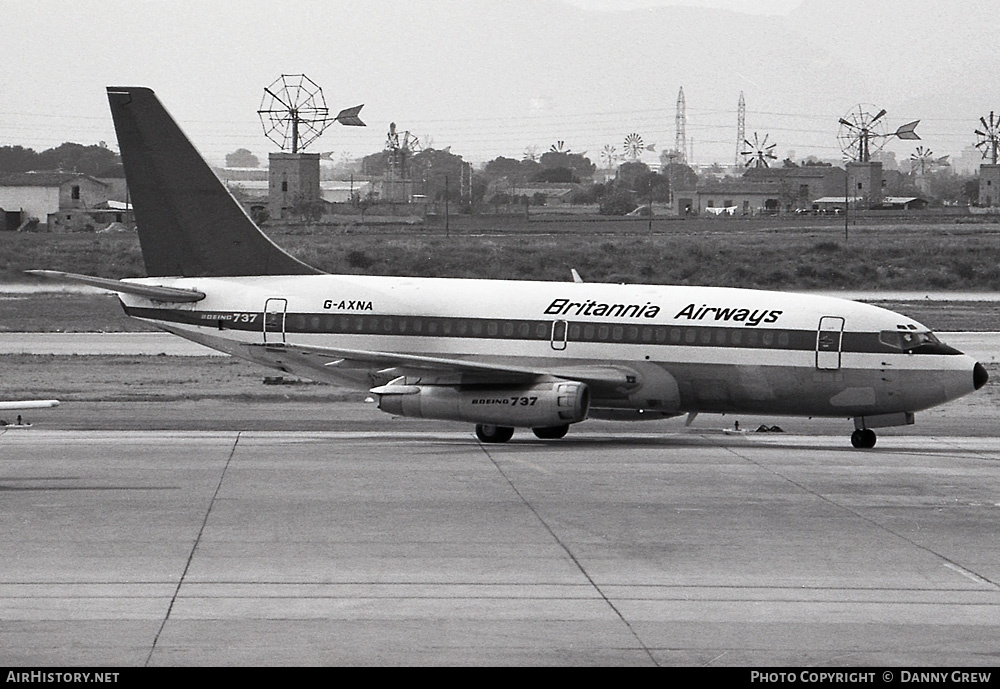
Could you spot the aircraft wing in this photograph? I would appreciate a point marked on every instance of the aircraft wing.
(320, 363)
(28, 404)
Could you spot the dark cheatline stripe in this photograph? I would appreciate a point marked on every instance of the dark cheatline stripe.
(745, 337)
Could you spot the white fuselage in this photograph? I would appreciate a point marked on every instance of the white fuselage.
(694, 349)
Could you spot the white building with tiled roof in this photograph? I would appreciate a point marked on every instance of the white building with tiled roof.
(61, 200)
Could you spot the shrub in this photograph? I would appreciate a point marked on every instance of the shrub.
(618, 203)
(357, 258)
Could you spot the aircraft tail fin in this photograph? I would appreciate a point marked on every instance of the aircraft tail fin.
(189, 224)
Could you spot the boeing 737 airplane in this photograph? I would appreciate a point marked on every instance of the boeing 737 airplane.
(506, 354)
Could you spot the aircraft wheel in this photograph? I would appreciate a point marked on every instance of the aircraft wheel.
(863, 438)
(551, 432)
(494, 434)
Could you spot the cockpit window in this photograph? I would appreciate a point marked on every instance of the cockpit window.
(907, 340)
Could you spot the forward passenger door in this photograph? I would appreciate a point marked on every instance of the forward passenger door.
(829, 341)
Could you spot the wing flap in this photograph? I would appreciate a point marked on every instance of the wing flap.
(329, 364)
(397, 364)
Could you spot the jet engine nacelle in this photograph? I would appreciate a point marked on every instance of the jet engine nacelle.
(528, 406)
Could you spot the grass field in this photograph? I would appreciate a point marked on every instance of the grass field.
(772, 253)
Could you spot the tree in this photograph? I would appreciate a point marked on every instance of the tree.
(515, 171)
(945, 187)
(364, 203)
(17, 159)
(88, 160)
(970, 191)
(556, 174)
(499, 199)
(440, 170)
(591, 194)
(652, 184)
(579, 164)
(681, 177)
(629, 173)
(620, 202)
(375, 164)
(479, 186)
(241, 157)
(308, 211)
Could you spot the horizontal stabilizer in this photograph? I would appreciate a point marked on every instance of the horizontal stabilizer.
(154, 292)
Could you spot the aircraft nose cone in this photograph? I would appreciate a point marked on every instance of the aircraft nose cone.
(979, 375)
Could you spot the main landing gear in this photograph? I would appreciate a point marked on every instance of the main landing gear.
(863, 438)
(501, 434)
(551, 433)
(494, 434)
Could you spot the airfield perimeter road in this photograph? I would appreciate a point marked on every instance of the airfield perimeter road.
(423, 547)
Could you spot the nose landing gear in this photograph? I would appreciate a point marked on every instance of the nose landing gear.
(863, 438)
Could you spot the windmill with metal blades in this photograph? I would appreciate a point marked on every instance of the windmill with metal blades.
(397, 184)
(862, 133)
(757, 154)
(923, 161)
(989, 173)
(293, 112)
(399, 150)
(988, 138)
(610, 156)
(634, 146)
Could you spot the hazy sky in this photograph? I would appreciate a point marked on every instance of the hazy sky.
(497, 77)
(765, 7)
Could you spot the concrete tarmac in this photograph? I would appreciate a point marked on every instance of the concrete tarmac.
(166, 548)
